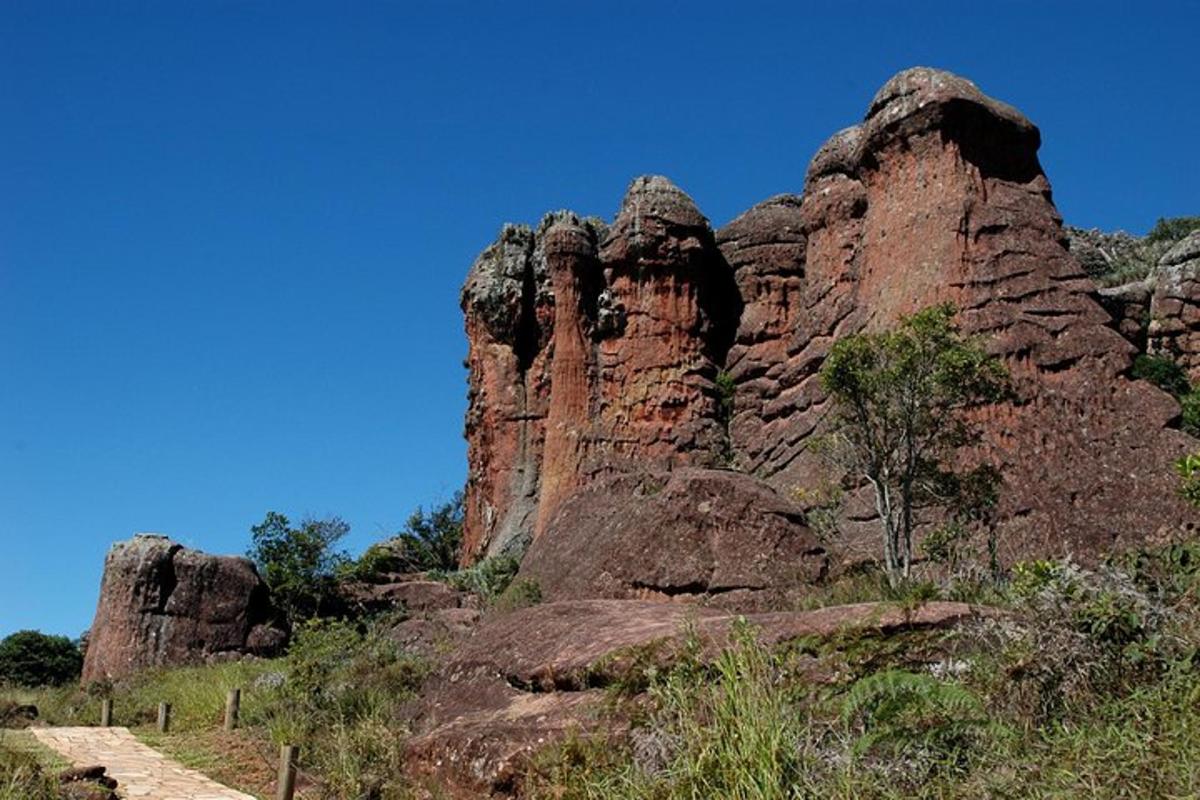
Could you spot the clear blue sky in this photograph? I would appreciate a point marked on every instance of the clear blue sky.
(232, 234)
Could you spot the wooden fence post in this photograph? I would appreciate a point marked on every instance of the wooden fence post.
(106, 712)
(286, 789)
(164, 717)
(233, 702)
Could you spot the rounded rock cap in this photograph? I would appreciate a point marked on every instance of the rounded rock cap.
(656, 196)
(917, 98)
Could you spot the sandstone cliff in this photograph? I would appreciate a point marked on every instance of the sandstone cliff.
(660, 344)
(162, 604)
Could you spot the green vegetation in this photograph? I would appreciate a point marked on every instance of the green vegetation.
(1172, 229)
(488, 578)
(429, 541)
(726, 395)
(32, 658)
(1082, 683)
(1163, 372)
(339, 693)
(899, 400)
(27, 770)
(1188, 468)
(299, 564)
(1118, 258)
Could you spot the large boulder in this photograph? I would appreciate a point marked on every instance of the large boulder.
(688, 533)
(163, 604)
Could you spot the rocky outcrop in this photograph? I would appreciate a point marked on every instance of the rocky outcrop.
(163, 604)
(648, 360)
(677, 535)
(591, 347)
(537, 676)
(938, 196)
(1175, 307)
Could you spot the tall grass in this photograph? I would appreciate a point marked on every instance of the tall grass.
(26, 768)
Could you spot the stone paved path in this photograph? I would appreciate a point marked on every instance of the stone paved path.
(142, 772)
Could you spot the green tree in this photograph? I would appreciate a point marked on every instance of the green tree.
(430, 541)
(32, 658)
(299, 564)
(899, 399)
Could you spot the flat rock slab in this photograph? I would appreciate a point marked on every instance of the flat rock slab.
(141, 772)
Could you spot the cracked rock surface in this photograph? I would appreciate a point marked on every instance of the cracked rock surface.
(163, 604)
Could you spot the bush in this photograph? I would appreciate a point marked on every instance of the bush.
(1163, 372)
(488, 579)
(903, 714)
(342, 700)
(428, 542)
(521, 593)
(1188, 468)
(32, 658)
(1172, 229)
(299, 564)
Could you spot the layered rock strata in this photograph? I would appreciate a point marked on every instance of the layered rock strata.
(661, 345)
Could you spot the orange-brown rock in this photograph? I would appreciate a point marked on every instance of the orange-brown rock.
(937, 195)
(529, 679)
(162, 604)
(683, 534)
(591, 348)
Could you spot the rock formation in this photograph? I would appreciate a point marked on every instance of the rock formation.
(163, 604)
(529, 679)
(658, 345)
(591, 348)
(677, 535)
(1174, 328)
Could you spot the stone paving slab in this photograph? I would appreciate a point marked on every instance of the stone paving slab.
(141, 772)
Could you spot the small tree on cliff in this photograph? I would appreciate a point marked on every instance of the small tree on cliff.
(299, 564)
(899, 399)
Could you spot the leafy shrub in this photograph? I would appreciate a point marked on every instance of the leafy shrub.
(1188, 468)
(488, 579)
(429, 541)
(342, 700)
(1172, 229)
(1189, 406)
(32, 658)
(521, 593)
(299, 564)
(1163, 372)
(899, 713)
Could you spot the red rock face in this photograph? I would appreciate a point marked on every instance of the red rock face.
(590, 348)
(937, 196)
(162, 604)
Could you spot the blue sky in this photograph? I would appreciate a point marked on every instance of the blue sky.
(232, 234)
